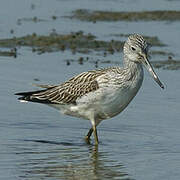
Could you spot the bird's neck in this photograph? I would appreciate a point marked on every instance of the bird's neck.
(135, 70)
(130, 64)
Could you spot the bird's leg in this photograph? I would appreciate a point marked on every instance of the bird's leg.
(87, 137)
(89, 133)
(95, 135)
(92, 130)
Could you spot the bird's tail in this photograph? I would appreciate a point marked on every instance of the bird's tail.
(28, 96)
(31, 96)
(35, 96)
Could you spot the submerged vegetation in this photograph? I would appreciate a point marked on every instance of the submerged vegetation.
(87, 15)
(82, 43)
(75, 41)
(12, 52)
(169, 64)
(152, 40)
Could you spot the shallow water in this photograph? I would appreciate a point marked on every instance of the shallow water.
(39, 143)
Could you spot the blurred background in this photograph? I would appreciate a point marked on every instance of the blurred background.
(48, 42)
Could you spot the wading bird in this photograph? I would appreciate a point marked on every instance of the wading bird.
(99, 94)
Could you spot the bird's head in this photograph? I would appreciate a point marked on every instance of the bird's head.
(136, 50)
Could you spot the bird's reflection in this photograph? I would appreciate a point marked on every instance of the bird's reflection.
(42, 159)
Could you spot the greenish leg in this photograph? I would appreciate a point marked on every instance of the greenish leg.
(95, 135)
(87, 138)
(92, 130)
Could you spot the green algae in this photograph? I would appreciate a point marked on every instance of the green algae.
(93, 16)
(82, 60)
(83, 43)
(34, 19)
(12, 53)
(76, 42)
(161, 53)
(152, 40)
(169, 64)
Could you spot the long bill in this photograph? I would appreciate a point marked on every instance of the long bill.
(149, 67)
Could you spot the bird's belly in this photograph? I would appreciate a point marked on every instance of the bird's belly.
(105, 106)
(100, 105)
(114, 104)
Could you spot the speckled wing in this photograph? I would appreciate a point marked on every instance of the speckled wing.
(67, 92)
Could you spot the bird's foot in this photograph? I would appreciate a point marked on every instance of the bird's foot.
(87, 140)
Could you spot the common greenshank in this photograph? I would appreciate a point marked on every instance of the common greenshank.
(99, 94)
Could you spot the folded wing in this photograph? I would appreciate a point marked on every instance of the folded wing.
(65, 93)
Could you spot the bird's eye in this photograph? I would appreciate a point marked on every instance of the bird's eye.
(133, 48)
